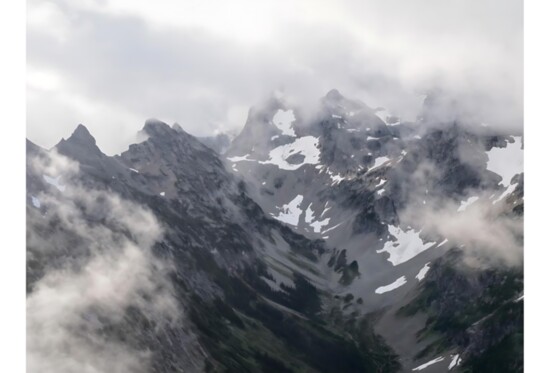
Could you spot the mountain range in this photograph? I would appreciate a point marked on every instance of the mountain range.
(339, 239)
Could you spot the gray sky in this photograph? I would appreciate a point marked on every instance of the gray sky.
(111, 64)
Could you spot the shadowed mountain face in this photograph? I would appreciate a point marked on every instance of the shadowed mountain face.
(345, 242)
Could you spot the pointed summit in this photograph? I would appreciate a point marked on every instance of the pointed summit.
(82, 136)
(81, 145)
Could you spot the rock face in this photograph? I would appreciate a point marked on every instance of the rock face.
(340, 241)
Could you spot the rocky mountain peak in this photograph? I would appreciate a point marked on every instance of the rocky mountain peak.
(82, 137)
(81, 145)
(82, 134)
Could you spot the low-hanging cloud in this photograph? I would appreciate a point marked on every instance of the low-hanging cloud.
(483, 230)
(90, 261)
(115, 63)
(477, 217)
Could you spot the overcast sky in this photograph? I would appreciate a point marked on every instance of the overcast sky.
(111, 64)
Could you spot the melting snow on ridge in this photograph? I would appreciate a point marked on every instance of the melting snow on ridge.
(394, 285)
(423, 271)
(379, 162)
(507, 192)
(327, 207)
(335, 178)
(331, 228)
(307, 146)
(283, 120)
(240, 158)
(507, 161)
(408, 245)
(455, 361)
(316, 225)
(35, 202)
(468, 202)
(443, 242)
(291, 212)
(55, 182)
(431, 362)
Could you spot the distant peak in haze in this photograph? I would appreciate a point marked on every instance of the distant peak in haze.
(334, 94)
(155, 127)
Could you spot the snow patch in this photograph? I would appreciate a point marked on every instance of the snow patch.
(133, 170)
(162, 194)
(423, 271)
(379, 162)
(443, 242)
(408, 244)
(331, 228)
(291, 212)
(283, 120)
(336, 179)
(327, 207)
(455, 361)
(468, 202)
(55, 182)
(394, 285)
(241, 158)
(316, 225)
(431, 362)
(382, 182)
(35, 202)
(507, 161)
(307, 146)
(507, 192)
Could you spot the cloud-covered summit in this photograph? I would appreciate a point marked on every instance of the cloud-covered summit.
(111, 64)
